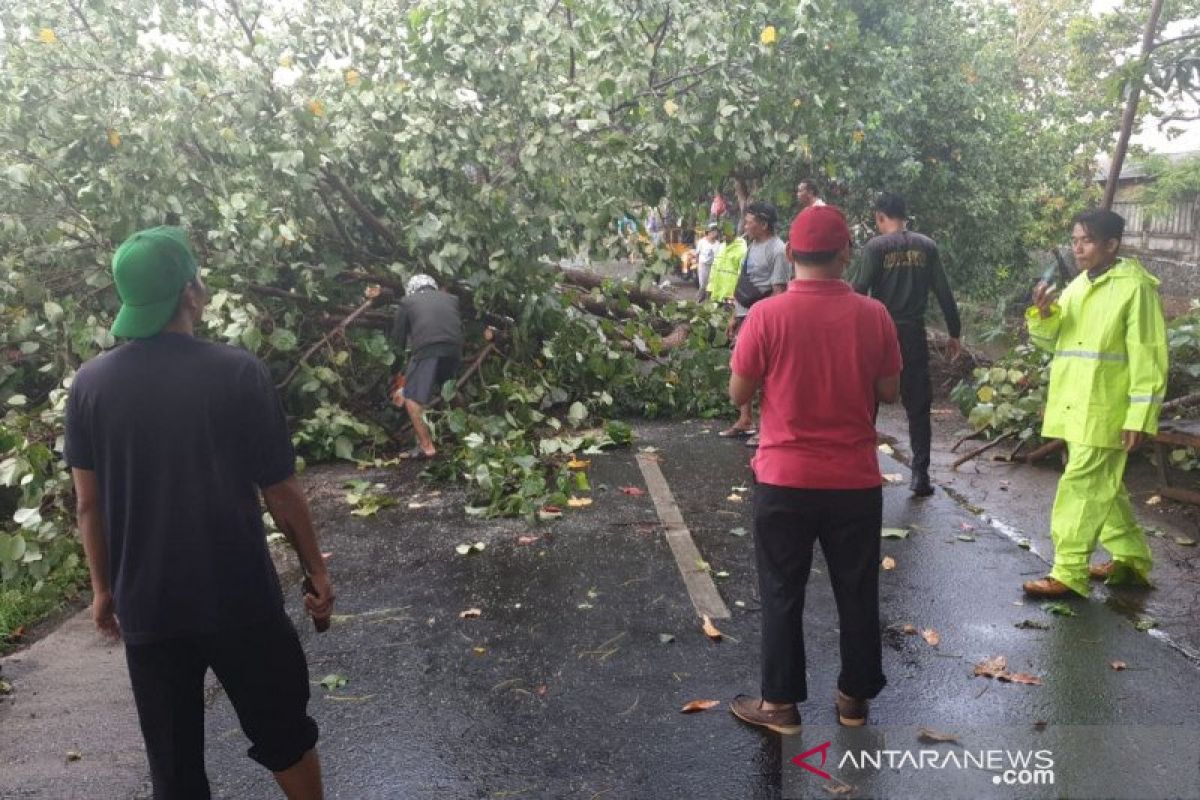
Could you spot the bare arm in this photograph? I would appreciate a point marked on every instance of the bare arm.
(91, 531)
(741, 390)
(887, 390)
(289, 508)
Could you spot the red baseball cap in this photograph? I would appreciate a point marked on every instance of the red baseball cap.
(819, 229)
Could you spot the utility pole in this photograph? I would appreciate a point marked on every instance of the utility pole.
(1131, 104)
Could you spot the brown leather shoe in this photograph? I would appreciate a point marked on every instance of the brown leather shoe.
(749, 710)
(851, 711)
(1048, 588)
(1101, 572)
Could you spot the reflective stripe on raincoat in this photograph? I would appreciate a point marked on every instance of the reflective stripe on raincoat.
(726, 268)
(1110, 356)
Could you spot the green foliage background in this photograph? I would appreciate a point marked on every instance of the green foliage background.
(312, 148)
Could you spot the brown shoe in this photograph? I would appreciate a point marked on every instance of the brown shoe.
(1048, 588)
(749, 710)
(1101, 572)
(851, 711)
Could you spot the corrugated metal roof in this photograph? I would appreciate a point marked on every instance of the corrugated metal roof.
(1133, 169)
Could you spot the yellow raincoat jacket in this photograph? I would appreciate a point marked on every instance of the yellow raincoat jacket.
(1110, 356)
(726, 268)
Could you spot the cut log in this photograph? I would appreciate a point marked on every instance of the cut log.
(1185, 401)
(1049, 448)
(587, 279)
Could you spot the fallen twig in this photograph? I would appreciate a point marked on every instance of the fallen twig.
(980, 450)
(1049, 448)
(339, 328)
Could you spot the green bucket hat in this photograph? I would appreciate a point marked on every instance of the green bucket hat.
(150, 269)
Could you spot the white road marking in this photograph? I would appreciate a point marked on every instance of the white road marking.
(703, 592)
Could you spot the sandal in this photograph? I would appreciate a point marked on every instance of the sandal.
(734, 432)
(416, 454)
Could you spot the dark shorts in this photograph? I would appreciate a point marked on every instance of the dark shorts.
(424, 377)
(263, 671)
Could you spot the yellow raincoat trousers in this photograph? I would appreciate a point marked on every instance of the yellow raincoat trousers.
(726, 268)
(1109, 374)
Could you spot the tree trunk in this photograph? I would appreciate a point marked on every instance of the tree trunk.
(1131, 104)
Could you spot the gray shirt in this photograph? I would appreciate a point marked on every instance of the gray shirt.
(766, 265)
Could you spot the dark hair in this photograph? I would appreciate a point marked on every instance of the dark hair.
(819, 258)
(891, 205)
(1100, 223)
(764, 211)
(811, 184)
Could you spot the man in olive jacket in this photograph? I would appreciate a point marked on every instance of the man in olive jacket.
(1107, 383)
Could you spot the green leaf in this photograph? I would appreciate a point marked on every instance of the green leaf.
(1144, 624)
(1059, 609)
(282, 339)
(577, 413)
(895, 533)
(334, 681)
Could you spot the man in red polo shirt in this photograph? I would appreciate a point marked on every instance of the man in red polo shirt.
(824, 357)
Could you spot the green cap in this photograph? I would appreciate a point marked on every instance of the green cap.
(150, 269)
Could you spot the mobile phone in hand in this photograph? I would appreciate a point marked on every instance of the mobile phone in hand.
(321, 625)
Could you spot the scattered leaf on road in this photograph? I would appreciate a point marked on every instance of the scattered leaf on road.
(334, 681)
(527, 539)
(1185, 541)
(886, 449)
(1154, 500)
(932, 637)
(734, 498)
(1059, 609)
(467, 549)
(838, 789)
(1118, 665)
(711, 630)
(965, 537)
(893, 477)
(722, 574)
(699, 705)
(633, 491)
(666, 638)
(1145, 623)
(991, 668)
(470, 613)
(1032, 624)
(478, 650)
(73, 755)
(579, 502)
(894, 533)
(930, 736)
(740, 489)
(547, 513)
(1024, 544)
(738, 531)
(578, 463)
(1020, 677)
(909, 629)
(889, 562)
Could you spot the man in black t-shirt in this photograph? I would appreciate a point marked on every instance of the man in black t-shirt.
(170, 439)
(899, 268)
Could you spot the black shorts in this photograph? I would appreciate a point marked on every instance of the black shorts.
(263, 671)
(424, 377)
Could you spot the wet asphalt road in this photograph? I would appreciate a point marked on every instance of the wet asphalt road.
(562, 687)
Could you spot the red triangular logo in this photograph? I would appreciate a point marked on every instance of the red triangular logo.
(802, 760)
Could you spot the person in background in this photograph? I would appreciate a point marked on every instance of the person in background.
(765, 271)
(824, 358)
(727, 266)
(170, 439)
(429, 324)
(899, 268)
(1107, 384)
(808, 194)
(707, 250)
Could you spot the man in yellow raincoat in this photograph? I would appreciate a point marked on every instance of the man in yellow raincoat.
(726, 268)
(1107, 383)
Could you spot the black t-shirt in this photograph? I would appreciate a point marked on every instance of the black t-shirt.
(899, 269)
(180, 432)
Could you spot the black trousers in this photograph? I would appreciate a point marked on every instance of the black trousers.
(916, 392)
(847, 523)
(263, 670)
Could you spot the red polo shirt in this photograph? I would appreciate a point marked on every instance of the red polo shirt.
(818, 350)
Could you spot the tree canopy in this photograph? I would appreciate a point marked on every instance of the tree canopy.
(313, 149)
